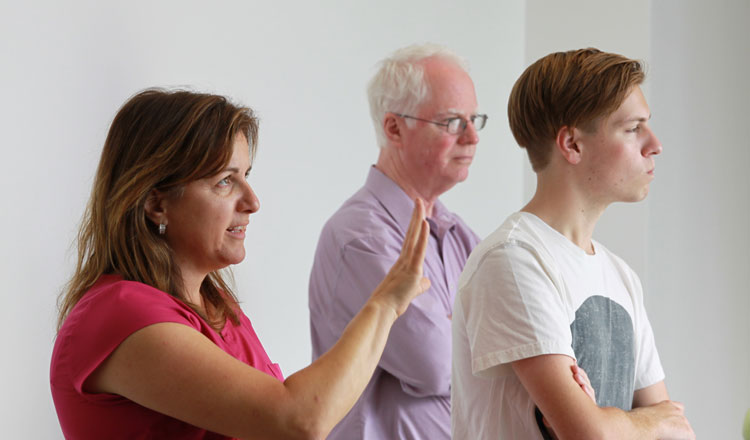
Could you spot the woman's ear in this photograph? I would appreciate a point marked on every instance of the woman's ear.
(156, 209)
(567, 143)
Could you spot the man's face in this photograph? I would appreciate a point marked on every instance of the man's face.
(435, 158)
(618, 157)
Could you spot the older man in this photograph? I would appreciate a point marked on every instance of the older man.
(424, 108)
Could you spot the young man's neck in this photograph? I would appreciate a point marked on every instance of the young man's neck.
(568, 211)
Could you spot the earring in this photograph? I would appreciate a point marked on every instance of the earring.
(162, 229)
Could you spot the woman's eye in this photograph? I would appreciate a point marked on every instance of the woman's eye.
(224, 181)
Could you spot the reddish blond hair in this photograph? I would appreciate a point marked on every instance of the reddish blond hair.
(567, 89)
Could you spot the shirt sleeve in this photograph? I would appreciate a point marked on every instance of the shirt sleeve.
(418, 350)
(648, 368)
(108, 318)
(514, 308)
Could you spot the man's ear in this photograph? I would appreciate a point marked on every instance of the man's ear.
(567, 143)
(392, 129)
(156, 207)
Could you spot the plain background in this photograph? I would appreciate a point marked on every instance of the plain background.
(66, 67)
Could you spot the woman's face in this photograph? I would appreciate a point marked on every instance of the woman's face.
(206, 223)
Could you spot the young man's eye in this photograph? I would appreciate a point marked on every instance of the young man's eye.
(635, 129)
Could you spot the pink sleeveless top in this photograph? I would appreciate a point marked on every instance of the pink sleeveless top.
(108, 313)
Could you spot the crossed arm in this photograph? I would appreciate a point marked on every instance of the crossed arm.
(572, 414)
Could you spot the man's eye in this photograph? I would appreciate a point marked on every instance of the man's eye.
(453, 124)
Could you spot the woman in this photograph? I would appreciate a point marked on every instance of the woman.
(151, 341)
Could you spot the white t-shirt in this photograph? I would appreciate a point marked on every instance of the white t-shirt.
(527, 290)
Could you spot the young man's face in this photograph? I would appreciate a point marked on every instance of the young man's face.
(618, 157)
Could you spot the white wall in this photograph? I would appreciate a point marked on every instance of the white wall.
(699, 241)
(303, 66)
(68, 66)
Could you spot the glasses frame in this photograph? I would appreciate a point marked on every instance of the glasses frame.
(462, 127)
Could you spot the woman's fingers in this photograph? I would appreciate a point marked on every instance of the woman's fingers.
(414, 232)
(415, 244)
(420, 249)
(414, 247)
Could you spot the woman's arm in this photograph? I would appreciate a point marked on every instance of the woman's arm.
(173, 369)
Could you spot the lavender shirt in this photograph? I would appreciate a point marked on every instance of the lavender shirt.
(408, 396)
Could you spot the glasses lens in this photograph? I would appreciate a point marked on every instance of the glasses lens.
(479, 121)
(454, 125)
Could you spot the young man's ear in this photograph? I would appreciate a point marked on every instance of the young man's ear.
(155, 207)
(567, 143)
(392, 129)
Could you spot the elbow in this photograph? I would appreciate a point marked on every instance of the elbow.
(312, 435)
(306, 432)
(307, 427)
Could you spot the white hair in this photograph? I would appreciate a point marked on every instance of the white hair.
(399, 85)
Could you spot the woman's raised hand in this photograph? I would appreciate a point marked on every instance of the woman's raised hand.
(405, 281)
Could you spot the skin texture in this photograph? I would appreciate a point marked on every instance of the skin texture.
(206, 222)
(620, 165)
(173, 369)
(588, 170)
(422, 158)
(572, 414)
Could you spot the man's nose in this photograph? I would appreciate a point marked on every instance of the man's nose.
(470, 134)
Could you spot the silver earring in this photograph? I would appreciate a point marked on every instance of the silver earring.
(162, 229)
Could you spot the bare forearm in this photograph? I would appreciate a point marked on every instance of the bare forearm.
(650, 395)
(329, 387)
(663, 420)
(573, 415)
(321, 394)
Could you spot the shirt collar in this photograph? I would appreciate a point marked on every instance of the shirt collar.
(400, 206)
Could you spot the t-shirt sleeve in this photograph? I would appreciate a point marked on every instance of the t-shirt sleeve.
(648, 368)
(513, 309)
(101, 322)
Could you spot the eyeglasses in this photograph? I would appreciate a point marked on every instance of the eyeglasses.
(455, 125)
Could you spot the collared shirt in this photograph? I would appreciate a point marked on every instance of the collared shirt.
(408, 396)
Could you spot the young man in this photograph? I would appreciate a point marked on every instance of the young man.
(539, 295)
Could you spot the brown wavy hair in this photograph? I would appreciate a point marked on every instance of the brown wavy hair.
(159, 140)
(572, 89)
